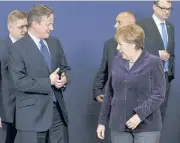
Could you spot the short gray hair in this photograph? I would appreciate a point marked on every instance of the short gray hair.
(37, 12)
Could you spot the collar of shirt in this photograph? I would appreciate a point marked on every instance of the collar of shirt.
(37, 40)
(158, 24)
(157, 20)
(12, 39)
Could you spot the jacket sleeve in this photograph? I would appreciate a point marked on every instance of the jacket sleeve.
(172, 55)
(102, 75)
(157, 94)
(106, 105)
(63, 65)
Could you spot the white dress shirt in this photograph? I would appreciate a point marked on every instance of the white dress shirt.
(36, 41)
(12, 39)
(158, 24)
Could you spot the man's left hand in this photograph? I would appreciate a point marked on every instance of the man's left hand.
(60, 83)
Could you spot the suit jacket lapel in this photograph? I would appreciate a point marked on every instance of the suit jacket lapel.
(156, 33)
(169, 35)
(36, 53)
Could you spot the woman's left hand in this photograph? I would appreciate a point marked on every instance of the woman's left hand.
(133, 122)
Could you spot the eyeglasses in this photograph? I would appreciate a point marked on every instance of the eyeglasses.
(165, 9)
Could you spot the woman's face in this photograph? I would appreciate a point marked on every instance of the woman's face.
(126, 49)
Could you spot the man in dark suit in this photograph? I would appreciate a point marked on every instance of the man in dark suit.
(159, 41)
(109, 52)
(38, 69)
(17, 27)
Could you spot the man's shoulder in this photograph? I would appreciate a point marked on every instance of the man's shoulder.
(4, 44)
(144, 21)
(54, 41)
(22, 40)
(5, 41)
(22, 43)
(111, 40)
(52, 38)
(3, 48)
(110, 43)
(170, 24)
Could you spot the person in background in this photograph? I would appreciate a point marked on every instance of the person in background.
(17, 27)
(109, 52)
(159, 41)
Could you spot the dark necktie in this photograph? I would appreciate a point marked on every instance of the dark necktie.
(46, 54)
(47, 58)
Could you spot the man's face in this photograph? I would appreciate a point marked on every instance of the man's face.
(123, 20)
(44, 28)
(18, 28)
(162, 9)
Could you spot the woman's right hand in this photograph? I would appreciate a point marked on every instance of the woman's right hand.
(100, 131)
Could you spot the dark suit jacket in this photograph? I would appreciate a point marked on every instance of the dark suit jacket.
(1, 102)
(30, 75)
(139, 90)
(8, 90)
(154, 43)
(109, 52)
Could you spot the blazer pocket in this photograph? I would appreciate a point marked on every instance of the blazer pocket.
(27, 102)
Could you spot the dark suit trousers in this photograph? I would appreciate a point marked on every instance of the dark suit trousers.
(7, 133)
(165, 102)
(58, 132)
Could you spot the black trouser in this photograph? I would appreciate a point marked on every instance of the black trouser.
(7, 133)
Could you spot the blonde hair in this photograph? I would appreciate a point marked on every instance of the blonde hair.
(131, 34)
(16, 15)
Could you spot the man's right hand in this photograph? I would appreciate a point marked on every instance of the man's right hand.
(100, 98)
(54, 76)
(0, 123)
(164, 55)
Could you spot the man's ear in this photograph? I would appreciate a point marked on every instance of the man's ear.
(9, 27)
(154, 7)
(35, 24)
